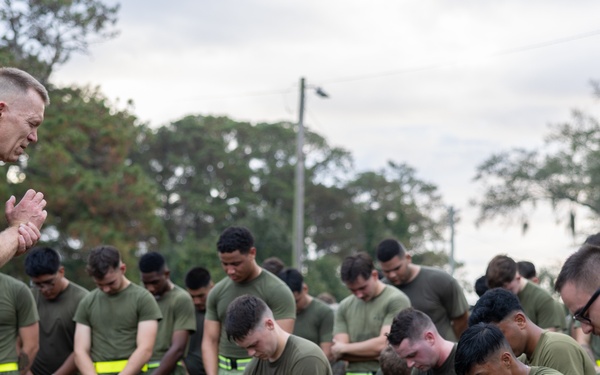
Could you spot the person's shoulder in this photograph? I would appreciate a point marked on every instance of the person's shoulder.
(393, 293)
(320, 306)
(540, 370)
(558, 339)
(306, 348)
(436, 273)
(222, 284)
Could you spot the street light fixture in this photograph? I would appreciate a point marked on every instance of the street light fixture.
(298, 248)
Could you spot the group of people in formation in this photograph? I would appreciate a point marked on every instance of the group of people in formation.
(399, 318)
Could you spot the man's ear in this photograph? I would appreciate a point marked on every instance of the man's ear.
(520, 320)
(2, 107)
(269, 324)
(506, 359)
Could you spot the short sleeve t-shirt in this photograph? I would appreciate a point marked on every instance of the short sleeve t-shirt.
(57, 328)
(447, 368)
(266, 286)
(315, 322)
(17, 310)
(362, 320)
(540, 307)
(560, 352)
(114, 318)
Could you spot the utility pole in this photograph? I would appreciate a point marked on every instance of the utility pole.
(298, 248)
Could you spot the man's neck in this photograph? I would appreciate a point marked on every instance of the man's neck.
(534, 335)
(414, 272)
(282, 338)
(445, 350)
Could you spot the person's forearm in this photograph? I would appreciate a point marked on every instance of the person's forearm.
(84, 363)
(367, 348)
(68, 367)
(9, 241)
(169, 360)
(26, 357)
(136, 361)
(210, 358)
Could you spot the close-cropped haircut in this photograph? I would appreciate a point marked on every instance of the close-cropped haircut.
(273, 265)
(477, 345)
(389, 248)
(494, 306)
(501, 270)
(293, 278)
(101, 260)
(391, 363)
(152, 262)
(244, 314)
(353, 266)
(235, 238)
(15, 81)
(409, 324)
(42, 261)
(526, 269)
(581, 268)
(196, 278)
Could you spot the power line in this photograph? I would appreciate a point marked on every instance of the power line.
(397, 72)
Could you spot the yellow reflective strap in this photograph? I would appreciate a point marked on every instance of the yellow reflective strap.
(233, 364)
(109, 367)
(152, 365)
(10, 366)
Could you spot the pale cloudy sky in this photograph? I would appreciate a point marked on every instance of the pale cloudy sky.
(437, 84)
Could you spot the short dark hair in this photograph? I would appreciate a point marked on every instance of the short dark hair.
(581, 268)
(477, 345)
(481, 286)
(353, 266)
(391, 363)
(389, 248)
(408, 324)
(293, 278)
(235, 238)
(593, 239)
(243, 315)
(101, 260)
(502, 269)
(273, 265)
(196, 278)
(494, 306)
(152, 262)
(42, 261)
(526, 269)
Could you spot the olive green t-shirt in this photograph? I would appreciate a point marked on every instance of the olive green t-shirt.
(266, 286)
(300, 357)
(538, 370)
(114, 318)
(363, 320)
(560, 352)
(315, 322)
(437, 294)
(17, 310)
(177, 309)
(57, 328)
(540, 307)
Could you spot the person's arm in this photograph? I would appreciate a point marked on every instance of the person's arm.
(68, 367)
(25, 219)
(459, 325)
(286, 324)
(146, 336)
(29, 340)
(343, 349)
(82, 346)
(326, 348)
(210, 346)
(168, 362)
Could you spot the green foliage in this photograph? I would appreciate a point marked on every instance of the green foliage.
(566, 174)
(38, 35)
(96, 196)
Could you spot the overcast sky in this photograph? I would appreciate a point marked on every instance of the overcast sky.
(440, 85)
